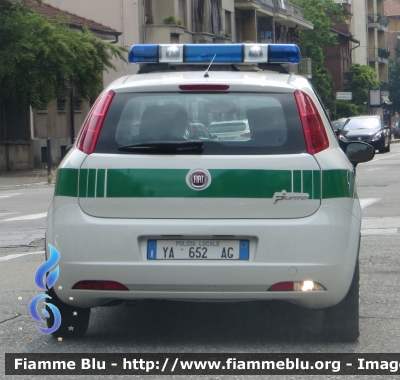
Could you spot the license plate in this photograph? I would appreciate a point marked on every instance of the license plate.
(198, 249)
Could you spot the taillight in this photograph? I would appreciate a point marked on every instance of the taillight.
(313, 127)
(99, 285)
(91, 130)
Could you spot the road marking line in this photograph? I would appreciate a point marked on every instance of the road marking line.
(9, 195)
(368, 202)
(16, 255)
(8, 213)
(384, 158)
(26, 217)
(379, 231)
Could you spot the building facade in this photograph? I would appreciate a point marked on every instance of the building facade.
(370, 27)
(24, 131)
(393, 15)
(338, 58)
(128, 22)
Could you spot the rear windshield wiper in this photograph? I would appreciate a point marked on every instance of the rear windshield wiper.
(164, 147)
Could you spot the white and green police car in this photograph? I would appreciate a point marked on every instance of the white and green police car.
(145, 210)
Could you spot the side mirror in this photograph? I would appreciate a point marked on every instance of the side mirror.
(358, 152)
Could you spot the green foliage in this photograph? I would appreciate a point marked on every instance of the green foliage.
(393, 84)
(363, 80)
(38, 57)
(224, 35)
(383, 53)
(322, 14)
(346, 109)
(171, 20)
(397, 49)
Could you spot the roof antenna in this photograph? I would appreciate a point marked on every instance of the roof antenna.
(208, 68)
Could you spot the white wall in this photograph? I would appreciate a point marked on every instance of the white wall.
(360, 31)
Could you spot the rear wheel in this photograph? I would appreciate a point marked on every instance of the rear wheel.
(74, 320)
(341, 322)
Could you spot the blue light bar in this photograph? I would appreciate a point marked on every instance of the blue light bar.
(221, 53)
(284, 53)
(143, 54)
(204, 53)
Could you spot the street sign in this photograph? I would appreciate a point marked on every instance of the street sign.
(375, 99)
(343, 96)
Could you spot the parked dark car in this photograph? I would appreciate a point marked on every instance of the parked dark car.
(396, 130)
(369, 129)
(338, 125)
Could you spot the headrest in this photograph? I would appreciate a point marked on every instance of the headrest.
(268, 124)
(163, 123)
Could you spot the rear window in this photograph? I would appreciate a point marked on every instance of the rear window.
(362, 123)
(227, 127)
(231, 123)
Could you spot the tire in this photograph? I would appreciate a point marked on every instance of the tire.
(341, 322)
(383, 149)
(71, 316)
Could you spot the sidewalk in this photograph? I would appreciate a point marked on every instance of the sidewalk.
(23, 178)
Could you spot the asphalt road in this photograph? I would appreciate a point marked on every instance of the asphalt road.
(177, 327)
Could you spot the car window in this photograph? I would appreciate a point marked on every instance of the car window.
(338, 124)
(230, 126)
(362, 123)
(271, 122)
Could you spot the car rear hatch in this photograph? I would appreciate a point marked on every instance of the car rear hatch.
(270, 176)
(157, 187)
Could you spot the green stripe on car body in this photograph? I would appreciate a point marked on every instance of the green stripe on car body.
(67, 182)
(225, 183)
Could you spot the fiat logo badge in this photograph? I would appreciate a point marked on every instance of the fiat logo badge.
(198, 179)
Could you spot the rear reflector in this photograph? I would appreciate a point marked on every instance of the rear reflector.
(204, 87)
(313, 127)
(282, 287)
(88, 138)
(99, 285)
(296, 286)
(247, 134)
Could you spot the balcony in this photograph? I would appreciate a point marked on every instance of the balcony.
(283, 11)
(290, 15)
(378, 55)
(377, 21)
(164, 33)
(263, 5)
(303, 68)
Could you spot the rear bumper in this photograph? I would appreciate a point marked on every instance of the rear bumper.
(322, 247)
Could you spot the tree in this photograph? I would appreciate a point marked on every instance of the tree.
(322, 14)
(364, 79)
(394, 83)
(38, 57)
(345, 109)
